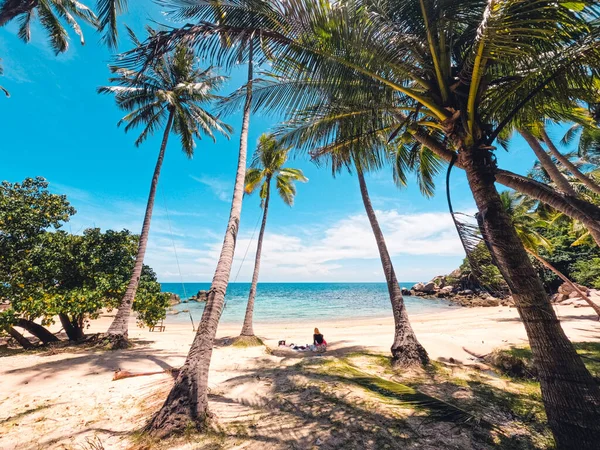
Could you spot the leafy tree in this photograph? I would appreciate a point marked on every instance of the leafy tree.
(47, 273)
(170, 94)
(267, 166)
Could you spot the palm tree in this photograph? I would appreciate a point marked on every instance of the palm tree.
(267, 165)
(464, 71)
(339, 134)
(171, 93)
(53, 14)
(188, 399)
(527, 223)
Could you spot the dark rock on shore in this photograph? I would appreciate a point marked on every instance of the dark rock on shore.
(453, 288)
(201, 296)
(174, 299)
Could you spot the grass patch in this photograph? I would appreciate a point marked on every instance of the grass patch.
(517, 361)
(392, 392)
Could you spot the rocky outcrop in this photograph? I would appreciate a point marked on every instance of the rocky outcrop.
(201, 296)
(567, 295)
(174, 299)
(451, 288)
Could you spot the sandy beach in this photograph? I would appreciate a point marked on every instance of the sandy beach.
(67, 399)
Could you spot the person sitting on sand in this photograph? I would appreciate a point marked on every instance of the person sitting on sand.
(319, 341)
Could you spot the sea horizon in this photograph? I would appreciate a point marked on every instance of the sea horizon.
(278, 301)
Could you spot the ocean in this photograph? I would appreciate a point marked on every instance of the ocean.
(288, 302)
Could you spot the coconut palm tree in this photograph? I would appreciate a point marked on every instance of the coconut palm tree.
(188, 399)
(338, 134)
(267, 165)
(171, 94)
(527, 222)
(462, 70)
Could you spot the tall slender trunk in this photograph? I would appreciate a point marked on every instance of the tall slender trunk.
(578, 209)
(406, 349)
(247, 328)
(594, 187)
(37, 330)
(558, 178)
(563, 277)
(120, 324)
(570, 394)
(13, 8)
(187, 402)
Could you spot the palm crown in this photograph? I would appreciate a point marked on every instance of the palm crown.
(53, 14)
(171, 85)
(267, 164)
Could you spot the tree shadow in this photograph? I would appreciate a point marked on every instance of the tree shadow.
(106, 361)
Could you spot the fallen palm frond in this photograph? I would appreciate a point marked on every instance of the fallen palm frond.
(122, 374)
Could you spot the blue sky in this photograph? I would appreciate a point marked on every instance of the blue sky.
(56, 126)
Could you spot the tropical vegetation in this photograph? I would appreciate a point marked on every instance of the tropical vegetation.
(362, 85)
(47, 273)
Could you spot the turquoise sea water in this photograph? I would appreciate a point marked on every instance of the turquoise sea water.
(287, 302)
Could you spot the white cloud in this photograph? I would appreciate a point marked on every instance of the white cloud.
(222, 189)
(344, 251)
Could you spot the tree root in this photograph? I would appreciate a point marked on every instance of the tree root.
(112, 341)
(247, 341)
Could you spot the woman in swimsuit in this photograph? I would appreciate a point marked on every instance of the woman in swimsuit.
(319, 341)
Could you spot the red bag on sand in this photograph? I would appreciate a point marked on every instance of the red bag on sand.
(324, 341)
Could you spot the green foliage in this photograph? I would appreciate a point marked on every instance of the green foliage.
(170, 86)
(587, 273)
(490, 275)
(267, 163)
(45, 271)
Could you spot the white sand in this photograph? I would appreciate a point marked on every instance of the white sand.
(65, 400)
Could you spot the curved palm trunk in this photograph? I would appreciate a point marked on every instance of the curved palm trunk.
(563, 277)
(22, 340)
(120, 324)
(558, 178)
(37, 330)
(570, 394)
(568, 164)
(247, 328)
(406, 349)
(187, 403)
(578, 209)
(13, 8)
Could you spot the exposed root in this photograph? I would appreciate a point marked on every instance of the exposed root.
(112, 341)
(247, 341)
(409, 356)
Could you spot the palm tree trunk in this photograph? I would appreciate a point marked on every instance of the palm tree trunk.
(570, 394)
(563, 277)
(22, 340)
(578, 209)
(13, 8)
(558, 178)
(247, 328)
(187, 402)
(119, 327)
(37, 330)
(406, 349)
(568, 164)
